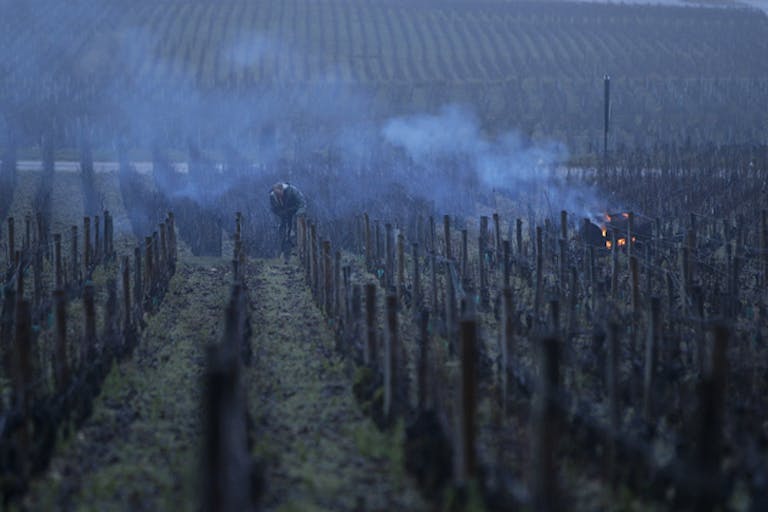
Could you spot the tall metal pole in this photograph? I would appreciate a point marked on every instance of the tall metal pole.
(607, 114)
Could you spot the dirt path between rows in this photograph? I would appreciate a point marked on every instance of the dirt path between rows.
(319, 451)
(140, 448)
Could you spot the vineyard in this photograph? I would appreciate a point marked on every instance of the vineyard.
(481, 309)
(419, 361)
(681, 74)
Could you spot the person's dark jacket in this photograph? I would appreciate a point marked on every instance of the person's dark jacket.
(293, 202)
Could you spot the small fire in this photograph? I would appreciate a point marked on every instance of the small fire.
(620, 242)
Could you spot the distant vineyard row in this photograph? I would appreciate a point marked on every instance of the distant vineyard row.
(237, 42)
(679, 72)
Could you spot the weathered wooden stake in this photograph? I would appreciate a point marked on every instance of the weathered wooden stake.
(149, 270)
(467, 431)
(389, 257)
(107, 228)
(368, 243)
(614, 266)
(612, 388)
(27, 232)
(370, 354)
(451, 308)
(424, 380)
(563, 257)
(635, 285)
(544, 488)
(164, 248)
(315, 266)
(172, 234)
(11, 240)
(110, 314)
(506, 340)
(37, 277)
(482, 269)
(327, 279)
(74, 257)
(89, 310)
(464, 256)
(22, 366)
(684, 279)
(432, 236)
(157, 265)
(433, 280)
(87, 245)
(417, 299)
(60, 361)
(393, 397)
(506, 263)
(447, 235)
(651, 359)
(539, 273)
(126, 275)
(712, 391)
(497, 236)
(357, 315)
(563, 225)
(226, 464)
(58, 270)
(337, 285)
(764, 246)
(138, 292)
(400, 262)
(692, 241)
(630, 234)
(96, 240)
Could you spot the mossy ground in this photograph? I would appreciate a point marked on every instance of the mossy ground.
(320, 451)
(140, 450)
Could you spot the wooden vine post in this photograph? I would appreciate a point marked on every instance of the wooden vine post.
(370, 356)
(394, 403)
(447, 235)
(61, 362)
(87, 245)
(544, 486)
(539, 273)
(11, 239)
(417, 295)
(466, 453)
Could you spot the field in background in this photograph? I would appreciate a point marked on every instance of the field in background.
(680, 74)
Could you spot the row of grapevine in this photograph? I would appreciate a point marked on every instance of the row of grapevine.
(535, 360)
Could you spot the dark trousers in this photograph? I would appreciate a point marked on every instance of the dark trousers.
(284, 234)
